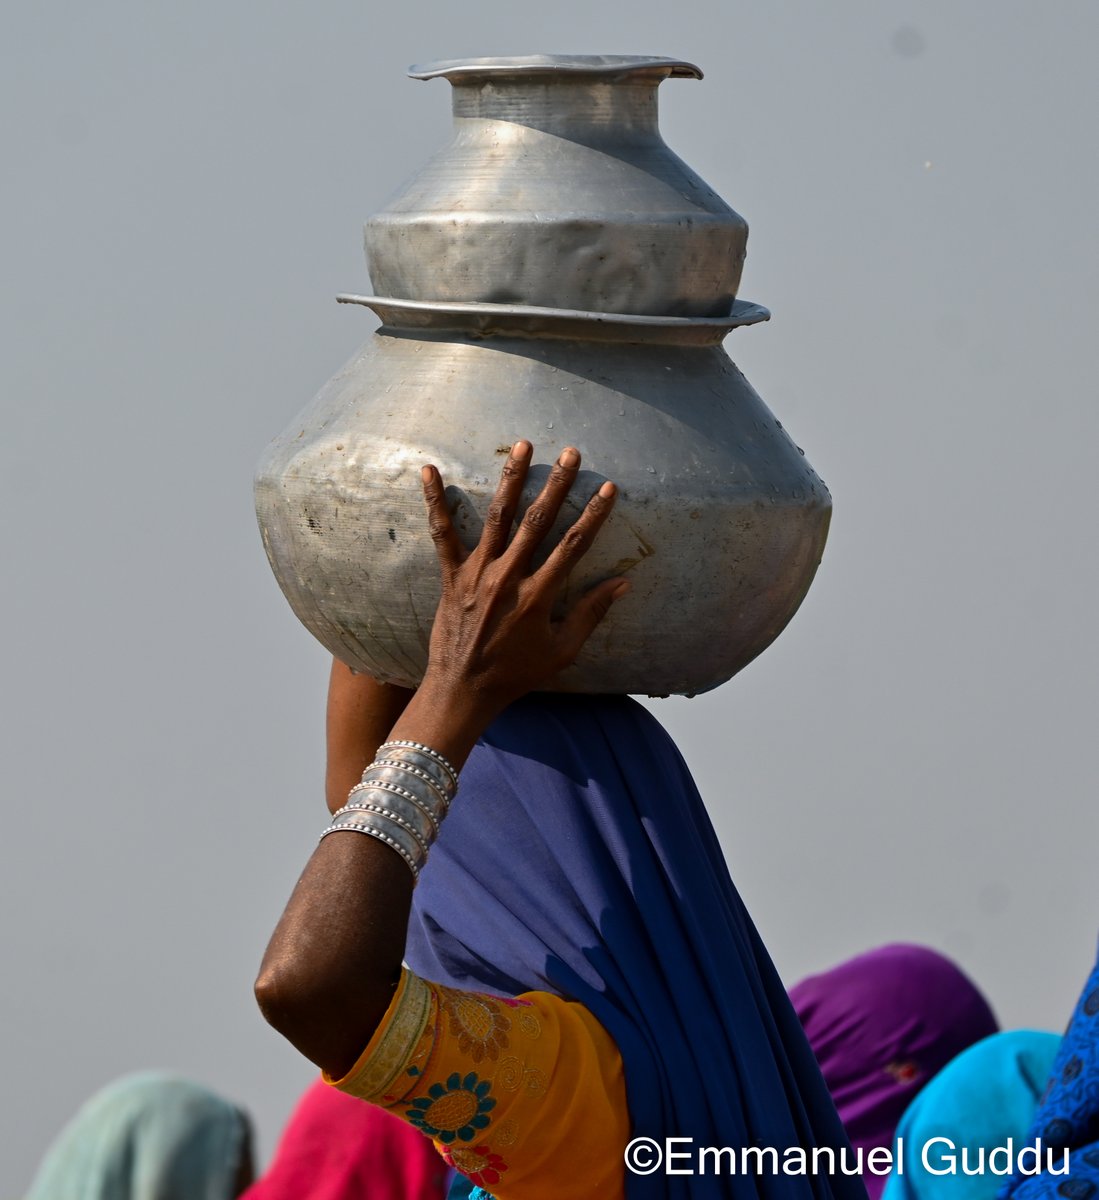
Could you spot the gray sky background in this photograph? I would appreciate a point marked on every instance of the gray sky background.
(183, 189)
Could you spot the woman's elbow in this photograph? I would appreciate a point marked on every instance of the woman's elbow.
(296, 996)
(327, 1023)
(280, 998)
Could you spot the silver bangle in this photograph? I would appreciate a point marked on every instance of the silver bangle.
(396, 759)
(397, 808)
(432, 755)
(416, 792)
(402, 797)
(381, 765)
(371, 831)
(376, 826)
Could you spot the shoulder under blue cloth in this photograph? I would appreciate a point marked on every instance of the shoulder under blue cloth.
(579, 859)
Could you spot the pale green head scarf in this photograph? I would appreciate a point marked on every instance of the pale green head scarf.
(146, 1137)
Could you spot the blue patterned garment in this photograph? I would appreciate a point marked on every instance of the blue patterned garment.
(1068, 1115)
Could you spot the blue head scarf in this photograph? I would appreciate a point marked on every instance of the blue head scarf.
(146, 1137)
(985, 1097)
(578, 859)
(1068, 1116)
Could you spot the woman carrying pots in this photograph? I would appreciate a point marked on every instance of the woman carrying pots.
(585, 1008)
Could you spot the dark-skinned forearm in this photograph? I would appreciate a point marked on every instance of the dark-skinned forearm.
(332, 963)
(335, 956)
(361, 712)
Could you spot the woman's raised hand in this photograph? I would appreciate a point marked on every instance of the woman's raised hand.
(495, 635)
(328, 974)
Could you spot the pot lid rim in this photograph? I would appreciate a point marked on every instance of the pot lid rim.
(555, 65)
(529, 319)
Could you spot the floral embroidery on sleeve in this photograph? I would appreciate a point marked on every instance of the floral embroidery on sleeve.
(477, 1163)
(483, 1120)
(478, 1022)
(457, 1109)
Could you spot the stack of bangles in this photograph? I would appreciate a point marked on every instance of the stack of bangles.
(403, 797)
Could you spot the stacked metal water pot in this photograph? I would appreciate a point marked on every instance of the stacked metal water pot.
(554, 273)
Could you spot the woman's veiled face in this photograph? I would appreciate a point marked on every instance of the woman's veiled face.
(882, 1025)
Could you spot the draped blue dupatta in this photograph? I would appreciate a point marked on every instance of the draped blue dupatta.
(578, 858)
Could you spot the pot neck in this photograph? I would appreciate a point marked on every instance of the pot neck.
(567, 107)
(575, 96)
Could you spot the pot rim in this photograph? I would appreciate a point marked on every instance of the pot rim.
(528, 320)
(592, 65)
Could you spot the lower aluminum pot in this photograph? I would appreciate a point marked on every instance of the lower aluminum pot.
(720, 521)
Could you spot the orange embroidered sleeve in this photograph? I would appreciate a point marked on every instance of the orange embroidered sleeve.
(525, 1097)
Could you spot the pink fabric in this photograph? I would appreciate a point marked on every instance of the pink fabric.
(336, 1147)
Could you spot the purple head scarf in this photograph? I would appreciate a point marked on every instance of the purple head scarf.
(881, 1026)
(578, 859)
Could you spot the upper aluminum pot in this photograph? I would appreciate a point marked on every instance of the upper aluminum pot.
(557, 190)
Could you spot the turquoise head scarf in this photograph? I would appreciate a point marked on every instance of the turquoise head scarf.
(147, 1137)
(981, 1099)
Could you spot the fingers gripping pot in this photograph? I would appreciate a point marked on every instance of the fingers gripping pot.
(720, 522)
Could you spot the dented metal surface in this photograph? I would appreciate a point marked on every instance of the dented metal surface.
(721, 521)
(720, 524)
(557, 190)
